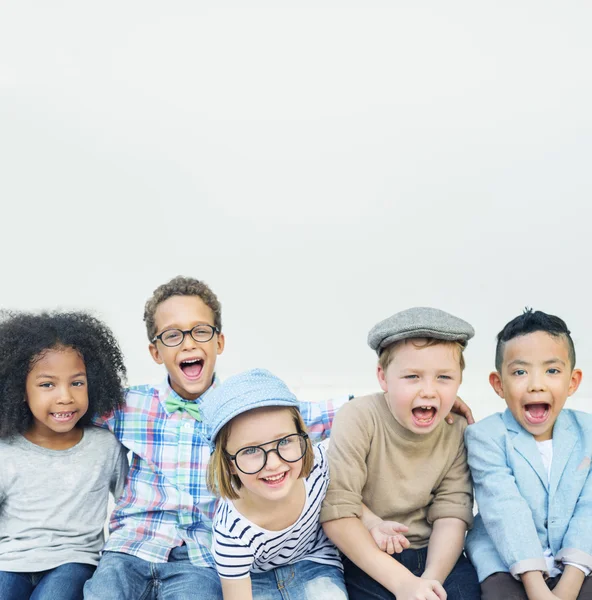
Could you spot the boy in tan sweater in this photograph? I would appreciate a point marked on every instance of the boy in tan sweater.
(392, 452)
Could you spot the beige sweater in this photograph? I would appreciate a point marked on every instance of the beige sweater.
(401, 476)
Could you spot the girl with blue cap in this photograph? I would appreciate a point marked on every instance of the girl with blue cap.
(267, 540)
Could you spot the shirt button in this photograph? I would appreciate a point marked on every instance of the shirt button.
(187, 425)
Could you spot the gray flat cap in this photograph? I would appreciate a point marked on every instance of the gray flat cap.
(419, 322)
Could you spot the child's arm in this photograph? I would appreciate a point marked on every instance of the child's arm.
(570, 584)
(577, 542)
(460, 408)
(505, 513)
(119, 473)
(444, 548)
(450, 513)
(354, 540)
(237, 589)
(318, 416)
(536, 588)
(388, 535)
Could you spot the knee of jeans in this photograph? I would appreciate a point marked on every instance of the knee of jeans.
(325, 588)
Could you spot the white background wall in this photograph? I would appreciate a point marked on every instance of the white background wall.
(320, 164)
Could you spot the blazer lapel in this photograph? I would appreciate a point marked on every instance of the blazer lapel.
(564, 440)
(525, 445)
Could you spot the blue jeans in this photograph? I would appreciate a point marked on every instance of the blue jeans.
(303, 580)
(128, 577)
(461, 584)
(62, 583)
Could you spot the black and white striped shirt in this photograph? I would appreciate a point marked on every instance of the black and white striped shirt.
(240, 546)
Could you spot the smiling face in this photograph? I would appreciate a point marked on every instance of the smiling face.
(190, 365)
(535, 380)
(277, 479)
(420, 383)
(57, 394)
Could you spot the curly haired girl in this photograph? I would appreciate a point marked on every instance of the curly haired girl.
(57, 370)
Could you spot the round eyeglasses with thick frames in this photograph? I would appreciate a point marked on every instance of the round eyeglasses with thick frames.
(252, 459)
(175, 337)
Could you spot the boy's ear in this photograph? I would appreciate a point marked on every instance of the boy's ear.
(381, 378)
(220, 343)
(495, 379)
(155, 354)
(576, 379)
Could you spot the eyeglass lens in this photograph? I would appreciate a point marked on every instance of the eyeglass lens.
(200, 333)
(290, 448)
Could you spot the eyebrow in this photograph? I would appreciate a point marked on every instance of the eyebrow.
(519, 362)
(279, 436)
(44, 376)
(177, 326)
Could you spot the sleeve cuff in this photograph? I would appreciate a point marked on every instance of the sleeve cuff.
(331, 513)
(530, 564)
(584, 570)
(458, 511)
(577, 557)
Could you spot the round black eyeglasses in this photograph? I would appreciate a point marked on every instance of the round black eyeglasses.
(252, 459)
(175, 337)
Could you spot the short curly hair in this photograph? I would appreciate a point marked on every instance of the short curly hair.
(25, 337)
(181, 286)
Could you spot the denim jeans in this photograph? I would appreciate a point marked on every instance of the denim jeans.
(461, 584)
(127, 577)
(303, 580)
(62, 583)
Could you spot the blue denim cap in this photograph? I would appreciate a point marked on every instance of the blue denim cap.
(238, 394)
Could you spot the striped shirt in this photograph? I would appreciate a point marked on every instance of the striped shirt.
(166, 501)
(240, 546)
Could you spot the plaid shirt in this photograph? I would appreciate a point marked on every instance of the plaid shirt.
(166, 501)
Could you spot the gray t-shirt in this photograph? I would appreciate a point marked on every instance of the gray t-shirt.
(53, 503)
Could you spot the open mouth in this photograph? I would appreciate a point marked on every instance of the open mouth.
(537, 413)
(424, 416)
(275, 480)
(63, 417)
(192, 368)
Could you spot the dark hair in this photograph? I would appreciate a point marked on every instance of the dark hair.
(529, 322)
(24, 337)
(181, 286)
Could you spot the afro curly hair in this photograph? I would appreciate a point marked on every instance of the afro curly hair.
(25, 337)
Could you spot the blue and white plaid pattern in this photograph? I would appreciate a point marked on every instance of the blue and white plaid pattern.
(166, 501)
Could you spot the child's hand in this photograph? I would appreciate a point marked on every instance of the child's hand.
(417, 588)
(389, 537)
(460, 408)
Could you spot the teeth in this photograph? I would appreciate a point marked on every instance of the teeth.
(274, 477)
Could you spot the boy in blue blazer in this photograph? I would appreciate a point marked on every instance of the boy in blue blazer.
(532, 538)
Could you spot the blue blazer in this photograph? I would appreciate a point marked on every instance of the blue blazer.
(521, 513)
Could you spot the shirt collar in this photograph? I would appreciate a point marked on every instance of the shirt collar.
(165, 391)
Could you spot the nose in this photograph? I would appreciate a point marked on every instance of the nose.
(65, 395)
(536, 382)
(188, 342)
(273, 459)
(427, 389)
